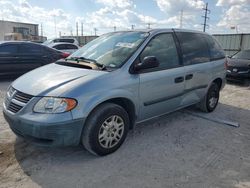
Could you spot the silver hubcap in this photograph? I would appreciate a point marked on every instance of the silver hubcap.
(111, 131)
(213, 101)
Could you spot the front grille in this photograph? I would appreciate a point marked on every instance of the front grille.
(14, 107)
(16, 100)
(22, 97)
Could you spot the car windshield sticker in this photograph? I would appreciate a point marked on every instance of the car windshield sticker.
(125, 45)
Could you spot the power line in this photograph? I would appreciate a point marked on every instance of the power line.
(207, 11)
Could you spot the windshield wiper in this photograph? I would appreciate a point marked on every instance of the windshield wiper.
(93, 61)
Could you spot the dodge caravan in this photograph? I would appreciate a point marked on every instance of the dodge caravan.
(102, 90)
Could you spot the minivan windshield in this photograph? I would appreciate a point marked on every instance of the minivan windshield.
(112, 49)
(244, 54)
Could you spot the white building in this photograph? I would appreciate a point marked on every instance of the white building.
(26, 30)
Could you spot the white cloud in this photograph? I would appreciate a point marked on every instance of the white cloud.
(173, 6)
(236, 14)
(23, 11)
(232, 2)
(124, 4)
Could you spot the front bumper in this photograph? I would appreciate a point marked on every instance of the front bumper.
(63, 133)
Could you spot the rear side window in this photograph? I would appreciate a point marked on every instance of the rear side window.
(8, 49)
(164, 49)
(215, 50)
(30, 49)
(64, 40)
(70, 46)
(59, 47)
(194, 48)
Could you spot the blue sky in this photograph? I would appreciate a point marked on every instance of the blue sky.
(61, 16)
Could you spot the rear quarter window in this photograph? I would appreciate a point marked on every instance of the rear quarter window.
(194, 48)
(215, 50)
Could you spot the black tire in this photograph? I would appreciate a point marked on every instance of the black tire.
(95, 124)
(213, 93)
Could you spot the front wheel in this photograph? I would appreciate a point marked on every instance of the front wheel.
(106, 129)
(210, 101)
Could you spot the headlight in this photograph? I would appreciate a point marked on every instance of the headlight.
(54, 105)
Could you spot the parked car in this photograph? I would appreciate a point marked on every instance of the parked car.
(98, 93)
(21, 57)
(56, 40)
(64, 47)
(238, 66)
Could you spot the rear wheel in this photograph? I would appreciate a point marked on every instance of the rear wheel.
(210, 101)
(105, 129)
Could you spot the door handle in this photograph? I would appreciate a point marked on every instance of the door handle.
(189, 77)
(179, 79)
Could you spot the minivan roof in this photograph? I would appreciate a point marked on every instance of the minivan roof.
(159, 30)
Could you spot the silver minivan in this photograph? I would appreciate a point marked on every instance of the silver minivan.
(102, 90)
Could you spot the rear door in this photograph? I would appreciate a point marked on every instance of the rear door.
(8, 59)
(30, 56)
(196, 61)
(161, 88)
(51, 55)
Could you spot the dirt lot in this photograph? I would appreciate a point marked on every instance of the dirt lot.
(177, 150)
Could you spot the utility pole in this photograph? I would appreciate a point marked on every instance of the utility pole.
(55, 25)
(132, 27)
(207, 11)
(95, 31)
(76, 28)
(114, 28)
(41, 29)
(181, 18)
(149, 25)
(82, 28)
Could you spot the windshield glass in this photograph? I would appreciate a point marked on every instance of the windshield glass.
(47, 42)
(111, 49)
(242, 55)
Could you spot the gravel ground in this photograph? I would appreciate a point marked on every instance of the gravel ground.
(176, 150)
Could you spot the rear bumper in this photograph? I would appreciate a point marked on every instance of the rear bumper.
(237, 75)
(65, 133)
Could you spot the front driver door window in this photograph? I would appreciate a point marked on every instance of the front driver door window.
(161, 88)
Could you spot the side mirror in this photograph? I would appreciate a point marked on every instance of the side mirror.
(147, 63)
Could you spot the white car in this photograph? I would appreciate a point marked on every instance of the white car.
(56, 40)
(64, 47)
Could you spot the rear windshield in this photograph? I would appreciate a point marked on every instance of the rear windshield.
(245, 54)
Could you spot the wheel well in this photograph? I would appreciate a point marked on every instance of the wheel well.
(218, 81)
(128, 105)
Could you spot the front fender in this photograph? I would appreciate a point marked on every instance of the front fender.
(89, 103)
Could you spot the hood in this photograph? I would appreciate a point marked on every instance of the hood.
(238, 62)
(50, 77)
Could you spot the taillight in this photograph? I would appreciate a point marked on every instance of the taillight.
(65, 55)
(226, 63)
